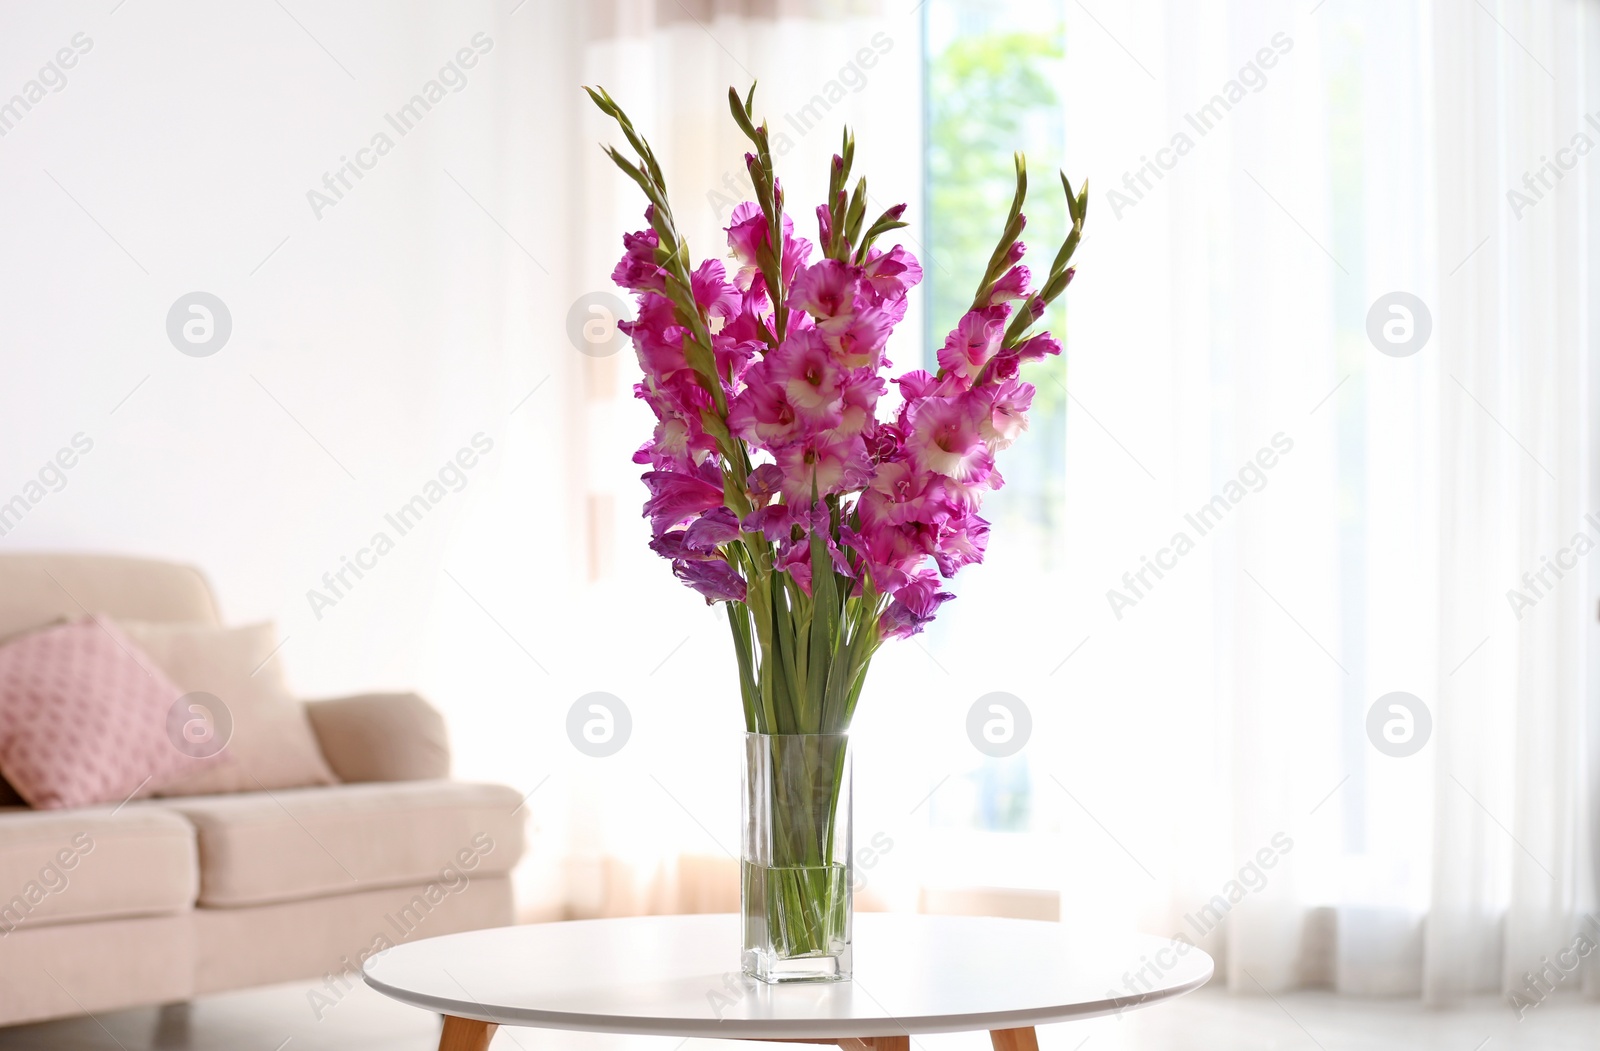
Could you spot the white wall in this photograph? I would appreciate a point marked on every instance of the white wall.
(369, 342)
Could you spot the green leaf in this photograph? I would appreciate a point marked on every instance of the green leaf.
(739, 622)
(857, 210)
(824, 623)
(785, 675)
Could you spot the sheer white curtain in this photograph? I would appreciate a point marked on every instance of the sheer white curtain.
(1363, 149)
(1517, 470)
(1205, 720)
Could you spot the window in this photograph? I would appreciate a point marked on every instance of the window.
(993, 74)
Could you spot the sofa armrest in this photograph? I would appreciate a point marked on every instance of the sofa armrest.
(381, 737)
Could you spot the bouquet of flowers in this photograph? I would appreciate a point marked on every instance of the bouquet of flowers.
(775, 487)
(778, 489)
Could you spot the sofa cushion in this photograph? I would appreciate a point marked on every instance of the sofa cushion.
(84, 719)
(263, 847)
(330, 937)
(269, 743)
(36, 589)
(60, 866)
(381, 737)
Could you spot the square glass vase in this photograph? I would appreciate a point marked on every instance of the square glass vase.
(795, 869)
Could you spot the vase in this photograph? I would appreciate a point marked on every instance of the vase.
(795, 876)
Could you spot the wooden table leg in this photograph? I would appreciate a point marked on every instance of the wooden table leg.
(465, 1034)
(1024, 1039)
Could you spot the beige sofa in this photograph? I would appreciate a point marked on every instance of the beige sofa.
(163, 900)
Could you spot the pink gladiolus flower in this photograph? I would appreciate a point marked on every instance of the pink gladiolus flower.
(796, 254)
(717, 526)
(837, 296)
(669, 545)
(733, 358)
(795, 559)
(913, 607)
(858, 401)
(1005, 364)
(747, 235)
(714, 579)
(945, 439)
(679, 444)
(966, 497)
(656, 332)
(885, 442)
(676, 497)
(711, 290)
(899, 494)
(1002, 367)
(745, 326)
(895, 311)
(681, 393)
(774, 521)
(1013, 285)
(915, 386)
(890, 275)
(812, 382)
(973, 341)
(1038, 348)
(637, 270)
(764, 415)
(892, 551)
(814, 466)
(857, 339)
(669, 381)
(1003, 412)
(764, 483)
(960, 544)
(922, 593)
(827, 289)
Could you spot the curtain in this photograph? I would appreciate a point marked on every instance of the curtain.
(1513, 881)
(1274, 178)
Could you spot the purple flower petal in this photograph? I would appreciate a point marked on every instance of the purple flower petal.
(714, 579)
(717, 526)
(677, 496)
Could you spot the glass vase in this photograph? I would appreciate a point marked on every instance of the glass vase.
(795, 875)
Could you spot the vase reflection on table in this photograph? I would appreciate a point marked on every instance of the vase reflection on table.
(777, 491)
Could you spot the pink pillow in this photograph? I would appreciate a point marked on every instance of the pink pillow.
(84, 716)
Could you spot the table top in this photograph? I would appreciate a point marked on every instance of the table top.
(679, 976)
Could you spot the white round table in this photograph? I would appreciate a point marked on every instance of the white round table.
(679, 976)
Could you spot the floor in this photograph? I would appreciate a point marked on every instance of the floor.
(283, 1019)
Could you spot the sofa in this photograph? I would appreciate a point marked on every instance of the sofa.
(161, 900)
